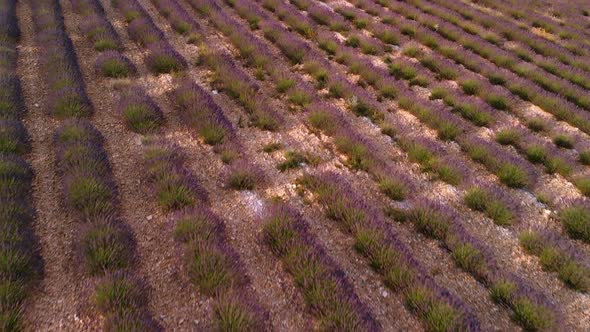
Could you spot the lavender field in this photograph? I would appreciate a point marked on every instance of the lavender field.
(294, 165)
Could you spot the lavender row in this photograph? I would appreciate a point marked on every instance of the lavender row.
(554, 161)
(175, 189)
(241, 87)
(9, 31)
(212, 265)
(552, 103)
(534, 48)
(477, 111)
(480, 114)
(179, 19)
(234, 81)
(443, 170)
(189, 95)
(297, 92)
(161, 57)
(574, 75)
(510, 174)
(567, 37)
(19, 249)
(22, 265)
(358, 150)
(538, 44)
(539, 22)
(104, 248)
(448, 125)
(494, 97)
(498, 56)
(337, 306)
(328, 121)
(58, 63)
(238, 178)
(438, 222)
(95, 26)
(389, 256)
(574, 16)
(199, 111)
(13, 135)
(558, 256)
(212, 125)
(138, 111)
(140, 114)
(557, 164)
(359, 157)
(499, 215)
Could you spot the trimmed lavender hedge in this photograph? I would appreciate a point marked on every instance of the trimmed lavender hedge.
(13, 137)
(60, 71)
(324, 287)
(179, 19)
(114, 65)
(105, 246)
(21, 266)
(556, 255)
(239, 86)
(11, 106)
(217, 271)
(95, 26)
(173, 185)
(161, 57)
(436, 308)
(139, 112)
(506, 172)
(213, 267)
(199, 111)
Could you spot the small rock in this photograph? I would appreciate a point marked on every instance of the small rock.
(384, 293)
(214, 92)
(36, 104)
(150, 217)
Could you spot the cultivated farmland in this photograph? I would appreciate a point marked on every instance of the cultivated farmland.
(294, 165)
